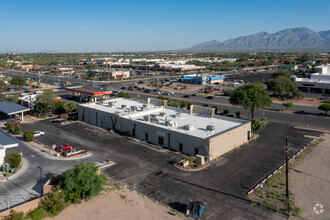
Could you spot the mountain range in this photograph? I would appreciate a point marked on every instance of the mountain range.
(295, 38)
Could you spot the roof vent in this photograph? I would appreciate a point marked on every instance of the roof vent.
(154, 120)
(146, 118)
(153, 115)
(210, 128)
(145, 105)
(162, 113)
(123, 106)
(171, 123)
(127, 110)
(133, 108)
(188, 127)
(111, 104)
(177, 115)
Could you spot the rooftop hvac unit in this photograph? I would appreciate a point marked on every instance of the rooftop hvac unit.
(188, 127)
(162, 113)
(153, 115)
(127, 110)
(154, 120)
(171, 123)
(133, 108)
(144, 106)
(177, 115)
(210, 128)
(111, 104)
(123, 106)
(146, 118)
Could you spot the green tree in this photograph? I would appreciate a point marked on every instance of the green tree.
(174, 104)
(3, 85)
(45, 102)
(9, 126)
(225, 112)
(184, 104)
(55, 202)
(238, 114)
(17, 130)
(12, 98)
(70, 106)
(14, 159)
(124, 95)
(257, 125)
(282, 86)
(287, 105)
(28, 136)
(83, 181)
(285, 73)
(18, 81)
(250, 97)
(325, 107)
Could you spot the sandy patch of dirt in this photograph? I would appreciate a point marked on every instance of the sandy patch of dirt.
(120, 204)
(310, 182)
(302, 101)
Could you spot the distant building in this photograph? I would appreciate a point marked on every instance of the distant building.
(63, 71)
(114, 74)
(29, 67)
(318, 82)
(202, 79)
(288, 67)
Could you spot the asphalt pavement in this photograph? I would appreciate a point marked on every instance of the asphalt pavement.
(223, 186)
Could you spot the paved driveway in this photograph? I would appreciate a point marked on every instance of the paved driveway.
(222, 186)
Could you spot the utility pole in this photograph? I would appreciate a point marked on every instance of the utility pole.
(287, 174)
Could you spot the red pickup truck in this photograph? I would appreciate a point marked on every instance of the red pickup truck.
(64, 147)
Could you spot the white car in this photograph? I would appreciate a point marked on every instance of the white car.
(55, 90)
(38, 133)
(39, 92)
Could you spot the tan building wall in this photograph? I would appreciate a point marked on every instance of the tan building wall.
(229, 140)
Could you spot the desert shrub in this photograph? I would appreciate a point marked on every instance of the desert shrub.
(28, 136)
(14, 215)
(14, 159)
(37, 214)
(238, 114)
(54, 203)
(17, 129)
(83, 181)
(9, 126)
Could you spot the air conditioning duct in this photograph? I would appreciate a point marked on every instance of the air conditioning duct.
(154, 120)
(210, 128)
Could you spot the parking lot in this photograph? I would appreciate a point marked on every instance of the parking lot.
(222, 186)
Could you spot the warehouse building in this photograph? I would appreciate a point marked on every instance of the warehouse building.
(193, 132)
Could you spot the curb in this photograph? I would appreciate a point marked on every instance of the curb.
(12, 176)
(192, 170)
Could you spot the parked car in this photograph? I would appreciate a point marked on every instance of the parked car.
(64, 147)
(186, 96)
(140, 82)
(38, 133)
(147, 90)
(14, 122)
(209, 97)
(69, 152)
(166, 93)
(39, 92)
(123, 87)
(131, 88)
(139, 89)
(55, 90)
(194, 94)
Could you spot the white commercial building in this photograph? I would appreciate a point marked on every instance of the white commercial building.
(197, 131)
(318, 82)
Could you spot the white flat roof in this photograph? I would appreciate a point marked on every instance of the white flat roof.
(182, 118)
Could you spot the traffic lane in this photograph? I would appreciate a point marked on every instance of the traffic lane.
(306, 120)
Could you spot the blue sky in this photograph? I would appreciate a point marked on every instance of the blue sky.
(100, 25)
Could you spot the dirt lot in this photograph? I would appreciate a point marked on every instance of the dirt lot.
(120, 204)
(310, 182)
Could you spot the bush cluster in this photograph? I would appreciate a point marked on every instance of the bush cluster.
(28, 136)
(14, 159)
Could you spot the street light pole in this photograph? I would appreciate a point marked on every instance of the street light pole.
(41, 188)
